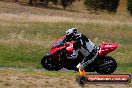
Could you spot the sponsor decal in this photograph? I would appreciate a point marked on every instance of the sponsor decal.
(100, 78)
(125, 78)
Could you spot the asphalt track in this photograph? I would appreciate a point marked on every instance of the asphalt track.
(41, 69)
(33, 69)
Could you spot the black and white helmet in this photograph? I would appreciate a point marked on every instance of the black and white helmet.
(70, 33)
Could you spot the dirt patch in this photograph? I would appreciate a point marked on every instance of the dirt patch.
(13, 79)
(25, 80)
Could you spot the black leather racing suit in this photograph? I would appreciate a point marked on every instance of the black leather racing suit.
(85, 46)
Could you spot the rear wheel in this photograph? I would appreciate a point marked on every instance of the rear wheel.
(49, 64)
(108, 66)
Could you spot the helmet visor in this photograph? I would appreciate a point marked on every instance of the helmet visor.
(69, 36)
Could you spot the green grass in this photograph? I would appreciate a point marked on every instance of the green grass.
(22, 44)
(40, 73)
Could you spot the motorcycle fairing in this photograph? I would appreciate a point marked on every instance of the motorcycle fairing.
(106, 48)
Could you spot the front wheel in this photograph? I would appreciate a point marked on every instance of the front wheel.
(49, 64)
(80, 80)
(108, 65)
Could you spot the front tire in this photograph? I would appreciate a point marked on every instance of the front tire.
(81, 80)
(50, 64)
(107, 69)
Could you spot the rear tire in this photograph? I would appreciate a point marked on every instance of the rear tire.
(50, 64)
(104, 69)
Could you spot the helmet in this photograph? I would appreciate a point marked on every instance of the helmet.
(70, 33)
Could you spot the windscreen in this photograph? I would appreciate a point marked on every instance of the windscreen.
(58, 43)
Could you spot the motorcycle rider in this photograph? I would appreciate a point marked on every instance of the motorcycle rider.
(82, 44)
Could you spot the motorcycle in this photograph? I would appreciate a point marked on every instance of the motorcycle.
(56, 59)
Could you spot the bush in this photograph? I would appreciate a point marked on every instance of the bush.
(129, 6)
(91, 4)
(109, 5)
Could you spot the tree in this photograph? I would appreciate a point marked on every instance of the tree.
(109, 5)
(129, 6)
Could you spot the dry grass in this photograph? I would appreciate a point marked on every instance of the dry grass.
(52, 19)
(25, 79)
(122, 6)
(17, 39)
(41, 14)
(16, 79)
(29, 37)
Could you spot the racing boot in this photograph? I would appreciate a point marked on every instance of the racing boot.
(81, 70)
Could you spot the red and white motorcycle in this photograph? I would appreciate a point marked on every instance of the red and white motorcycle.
(56, 59)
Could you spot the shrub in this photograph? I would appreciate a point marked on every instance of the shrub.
(109, 5)
(129, 6)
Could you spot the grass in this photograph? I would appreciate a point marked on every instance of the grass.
(40, 73)
(22, 44)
